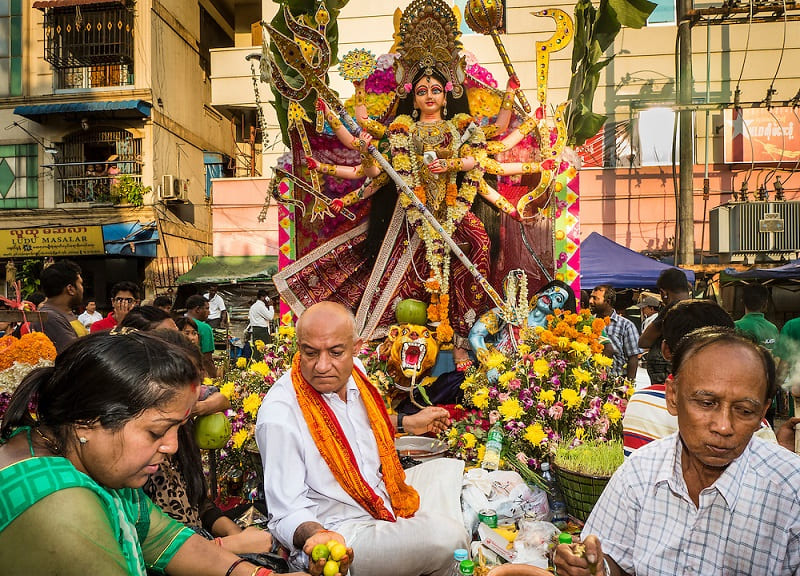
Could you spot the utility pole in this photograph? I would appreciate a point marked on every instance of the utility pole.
(685, 215)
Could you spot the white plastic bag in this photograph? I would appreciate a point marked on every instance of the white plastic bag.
(533, 541)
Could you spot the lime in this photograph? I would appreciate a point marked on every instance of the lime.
(331, 543)
(338, 551)
(320, 551)
(331, 568)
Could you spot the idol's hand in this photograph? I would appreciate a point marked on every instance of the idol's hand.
(513, 84)
(312, 164)
(336, 205)
(362, 142)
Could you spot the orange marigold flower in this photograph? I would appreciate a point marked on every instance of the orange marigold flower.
(598, 325)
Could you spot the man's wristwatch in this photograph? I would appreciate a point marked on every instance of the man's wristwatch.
(400, 417)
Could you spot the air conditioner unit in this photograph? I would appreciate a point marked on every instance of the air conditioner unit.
(181, 189)
(167, 190)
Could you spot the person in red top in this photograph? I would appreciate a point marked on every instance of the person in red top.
(124, 296)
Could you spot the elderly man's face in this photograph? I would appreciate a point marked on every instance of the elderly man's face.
(326, 353)
(719, 397)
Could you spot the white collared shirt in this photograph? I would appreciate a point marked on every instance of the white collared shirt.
(298, 484)
(747, 522)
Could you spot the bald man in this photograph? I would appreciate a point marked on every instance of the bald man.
(330, 468)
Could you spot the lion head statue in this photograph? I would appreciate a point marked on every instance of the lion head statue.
(411, 350)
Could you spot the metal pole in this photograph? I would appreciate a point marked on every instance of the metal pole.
(686, 131)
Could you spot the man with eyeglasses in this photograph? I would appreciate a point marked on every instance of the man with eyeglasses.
(62, 284)
(124, 296)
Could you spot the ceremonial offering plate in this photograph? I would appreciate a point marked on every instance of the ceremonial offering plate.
(357, 65)
(420, 447)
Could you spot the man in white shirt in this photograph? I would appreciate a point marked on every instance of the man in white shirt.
(217, 313)
(260, 315)
(91, 315)
(330, 468)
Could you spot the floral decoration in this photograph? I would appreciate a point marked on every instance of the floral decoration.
(554, 388)
(18, 356)
(245, 385)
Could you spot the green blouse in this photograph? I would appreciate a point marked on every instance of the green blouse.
(53, 517)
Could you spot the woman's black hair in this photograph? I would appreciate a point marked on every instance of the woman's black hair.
(571, 303)
(106, 379)
(701, 338)
(184, 321)
(454, 105)
(144, 318)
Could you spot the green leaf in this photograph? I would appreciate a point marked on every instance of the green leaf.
(633, 13)
(424, 394)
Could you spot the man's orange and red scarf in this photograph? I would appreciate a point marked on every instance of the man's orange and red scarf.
(338, 455)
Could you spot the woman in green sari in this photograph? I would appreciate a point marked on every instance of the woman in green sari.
(79, 440)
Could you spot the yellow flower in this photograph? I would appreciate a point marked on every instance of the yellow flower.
(481, 398)
(579, 432)
(494, 360)
(208, 381)
(602, 360)
(511, 409)
(581, 348)
(228, 389)
(570, 397)
(481, 452)
(260, 345)
(286, 331)
(505, 377)
(612, 411)
(523, 349)
(251, 404)
(241, 362)
(535, 434)
(240, 437)
(563, 342)
(581, 376)
(468, 381)
(452, 434)
(260, 368)
(469, 440)
(547, 397)
(286, 319)
(542, 368)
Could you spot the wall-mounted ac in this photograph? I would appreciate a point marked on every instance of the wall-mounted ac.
(167, 189)
(173, 188)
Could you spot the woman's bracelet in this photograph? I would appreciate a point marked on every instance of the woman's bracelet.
(261, 571)
(333, 120)
(218, 542)
(455, 165)
(361, 96)
(530, 167)
(234, 565)
(352, 197)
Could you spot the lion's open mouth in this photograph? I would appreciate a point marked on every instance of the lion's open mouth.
(412, 355)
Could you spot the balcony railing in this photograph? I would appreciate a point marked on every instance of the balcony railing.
(91, 189)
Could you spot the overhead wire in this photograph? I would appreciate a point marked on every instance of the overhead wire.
(770, 91)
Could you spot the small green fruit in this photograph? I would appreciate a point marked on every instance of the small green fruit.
(320, 551)
(212, 431)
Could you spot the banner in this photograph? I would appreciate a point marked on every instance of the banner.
(761, 135)
(64, 241)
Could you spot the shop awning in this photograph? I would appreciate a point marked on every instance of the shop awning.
(230, 269)
(131, 239)
(118, 108)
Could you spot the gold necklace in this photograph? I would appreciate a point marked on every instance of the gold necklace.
(430, 135)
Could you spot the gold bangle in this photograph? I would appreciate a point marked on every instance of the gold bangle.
(526, 127)
(361, 96)
(528, 168)
(351, 198)
(503, 204)
(455, 165)
(328, 169)
(373, 127)
(508, 101)
(333, 120)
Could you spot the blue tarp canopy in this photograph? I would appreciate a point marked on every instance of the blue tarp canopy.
(131, 239)
(790, 272)
(130, 108)
(603, 261)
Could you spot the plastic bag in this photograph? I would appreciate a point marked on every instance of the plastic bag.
(533, 541)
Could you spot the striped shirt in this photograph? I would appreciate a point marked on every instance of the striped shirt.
(625, 339)
(747, 523)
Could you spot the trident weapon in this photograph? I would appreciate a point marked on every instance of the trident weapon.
(312, 81)
(485, 17)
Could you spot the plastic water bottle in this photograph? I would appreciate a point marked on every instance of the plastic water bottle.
(558, 508)
(467, 567)
(494, 445)
(458, 556)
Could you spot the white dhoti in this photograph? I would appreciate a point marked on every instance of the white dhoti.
(422, 544)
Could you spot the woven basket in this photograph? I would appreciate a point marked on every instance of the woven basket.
(580, 491)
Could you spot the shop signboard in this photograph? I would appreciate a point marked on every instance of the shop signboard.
(762, 135)
(61, 241)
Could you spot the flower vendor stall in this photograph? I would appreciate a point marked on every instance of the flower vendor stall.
(18, 356)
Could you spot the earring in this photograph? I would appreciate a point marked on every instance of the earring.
(415, 114)
(83, 440)
(444, 111)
